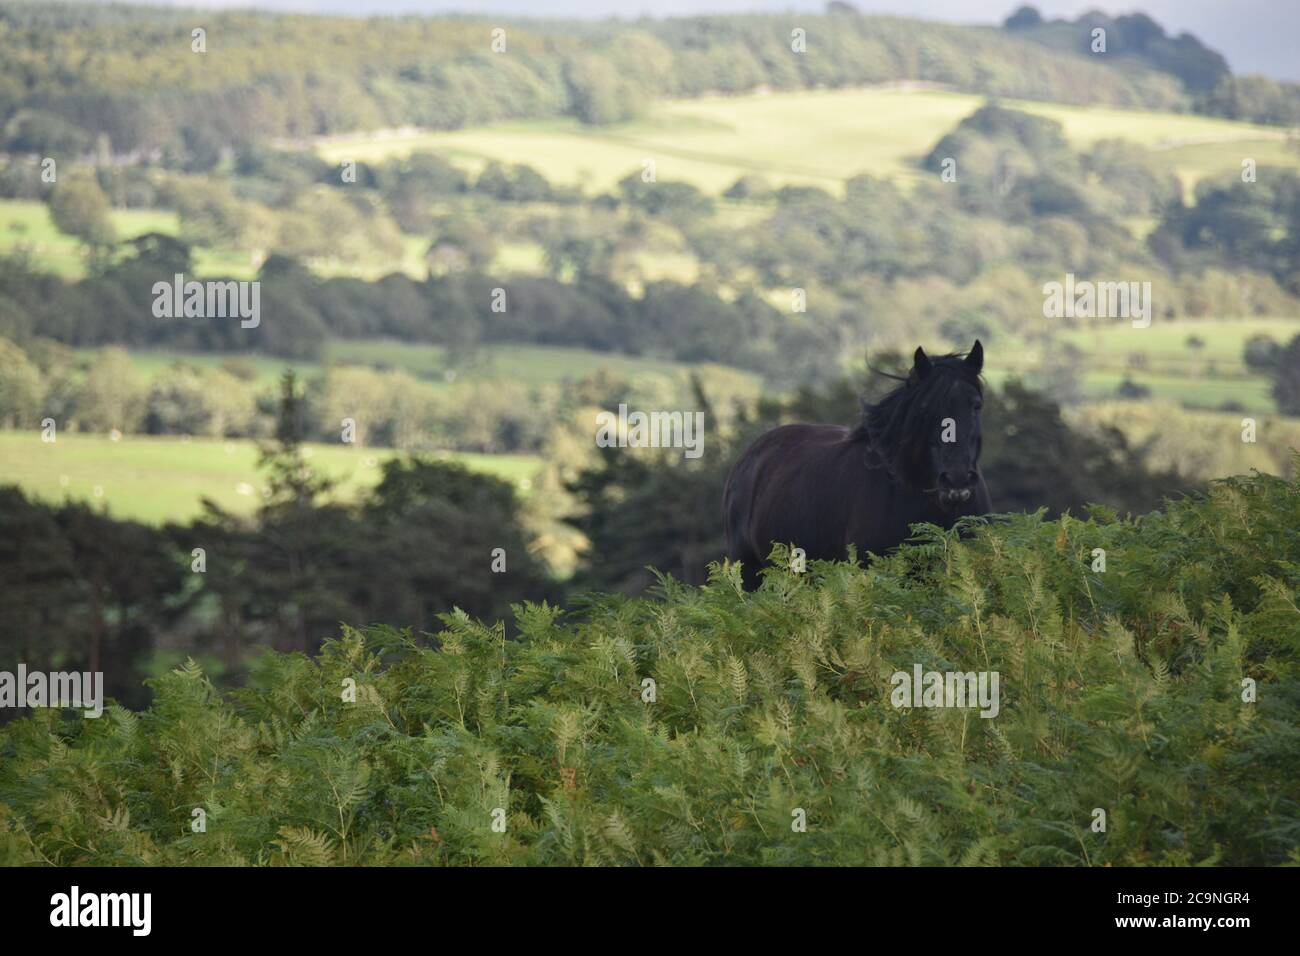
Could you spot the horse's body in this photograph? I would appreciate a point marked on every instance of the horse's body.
(822, 487)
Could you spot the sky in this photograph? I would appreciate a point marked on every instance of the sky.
(1256, 36)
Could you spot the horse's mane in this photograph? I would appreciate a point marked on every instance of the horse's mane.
(896, 427)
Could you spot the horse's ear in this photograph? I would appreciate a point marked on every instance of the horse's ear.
(975, 357)
(921, 364)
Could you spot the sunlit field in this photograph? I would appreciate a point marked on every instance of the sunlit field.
(527, 364)
(26, 225)
(1187, 346)
(165, 478)
(816, 137)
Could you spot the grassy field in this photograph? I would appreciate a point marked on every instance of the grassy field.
(1250, 394)
(1165, 344)
(1209, 376)
(1159, 358)
(813, 137)
(163, 479)
(1197, 161)
(156, 479)
(266, 368)
(527, 364)
(26, 224)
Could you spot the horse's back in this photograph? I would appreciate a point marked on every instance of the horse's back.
(779, 461)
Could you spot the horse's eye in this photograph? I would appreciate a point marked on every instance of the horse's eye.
(978, 405)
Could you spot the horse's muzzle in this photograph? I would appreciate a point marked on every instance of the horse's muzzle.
(952, 497)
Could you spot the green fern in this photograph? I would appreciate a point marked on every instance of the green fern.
(1120, 690)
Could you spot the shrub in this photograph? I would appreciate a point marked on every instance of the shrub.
(1121, 690)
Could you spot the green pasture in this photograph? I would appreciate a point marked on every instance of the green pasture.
(527, 364)
(1159, 357)
(1250, 394)
(25, 224)
(1166, 348)
(157, 479)
(265, 369)
(815, 137)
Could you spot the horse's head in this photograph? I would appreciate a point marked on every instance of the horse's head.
(928, 429)
(953, 438)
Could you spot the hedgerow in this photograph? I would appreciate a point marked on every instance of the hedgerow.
(1122, 690)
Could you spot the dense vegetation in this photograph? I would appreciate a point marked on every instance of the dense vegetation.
(85, 590)
(88, 591)
(128, 74)
(1126, 691)
(1137, 39)
(1131, 38)
(950, 260)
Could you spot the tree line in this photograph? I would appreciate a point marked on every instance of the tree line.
(1137, 38)
(150, 89)
(822, 276)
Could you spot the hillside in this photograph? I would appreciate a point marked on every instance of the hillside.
(83, 72)
(819, 138)
(1147, 715)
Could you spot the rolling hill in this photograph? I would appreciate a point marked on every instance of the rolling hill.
(812, 137)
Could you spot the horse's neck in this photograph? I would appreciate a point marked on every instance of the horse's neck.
(873, 457)
(876, 460)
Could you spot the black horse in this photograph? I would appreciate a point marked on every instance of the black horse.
(913, 458)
